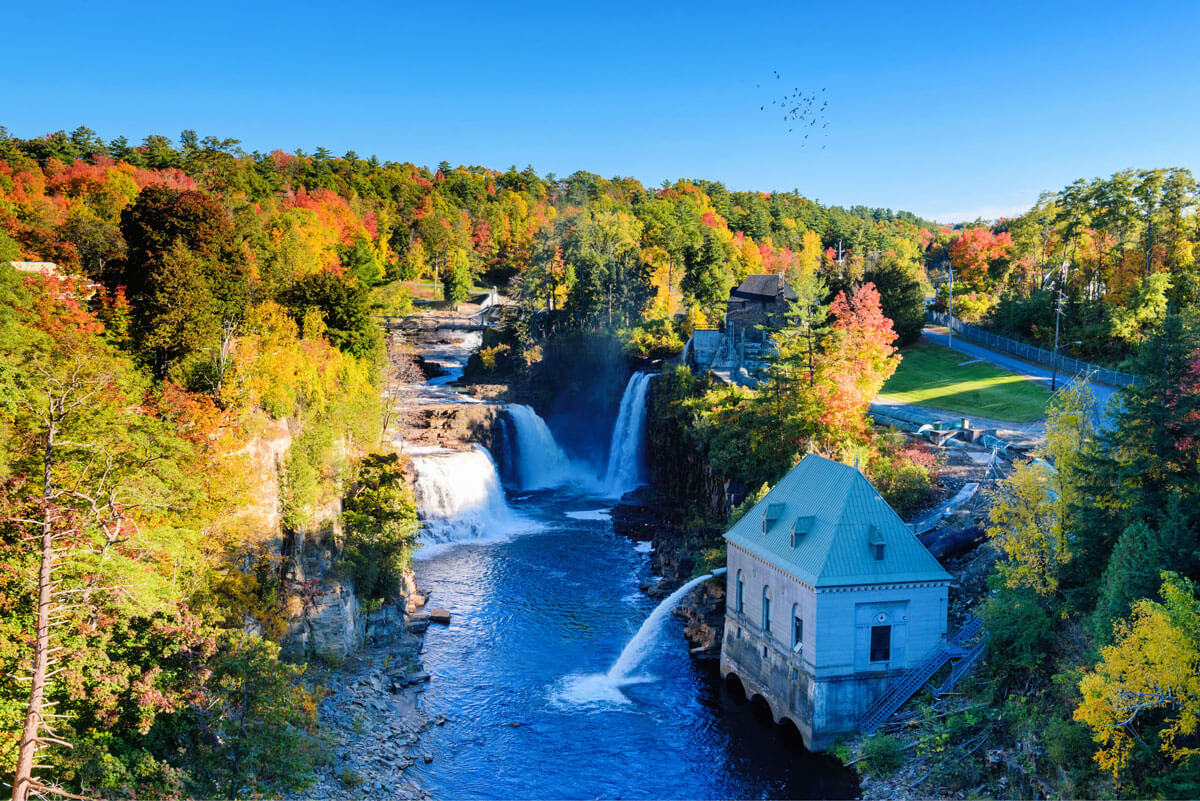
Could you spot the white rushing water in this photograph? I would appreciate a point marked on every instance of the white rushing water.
(540, 462)
(625, 449)
(605, 688)
(461, 500)
(639, 646)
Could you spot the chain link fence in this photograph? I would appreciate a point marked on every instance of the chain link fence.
(1030, 353)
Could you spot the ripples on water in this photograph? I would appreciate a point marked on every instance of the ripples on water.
(522, 676)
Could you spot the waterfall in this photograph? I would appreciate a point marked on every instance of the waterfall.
(638, 647)
(508, 469)
(540, 462)
(625, 449)
(461, 501)
(604, 688)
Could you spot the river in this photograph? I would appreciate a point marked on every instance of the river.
(543, 603)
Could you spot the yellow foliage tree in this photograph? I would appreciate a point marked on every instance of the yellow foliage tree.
(1029, 514)
(1024, 528)
(1154, 666)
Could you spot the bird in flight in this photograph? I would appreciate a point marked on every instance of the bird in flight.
(801, 108)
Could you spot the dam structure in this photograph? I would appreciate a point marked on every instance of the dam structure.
(831, 600)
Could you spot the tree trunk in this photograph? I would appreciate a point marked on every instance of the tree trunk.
(23, 782)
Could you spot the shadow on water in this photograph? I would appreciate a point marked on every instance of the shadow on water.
(768, 754)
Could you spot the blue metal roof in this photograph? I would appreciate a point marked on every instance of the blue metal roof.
(837, 547)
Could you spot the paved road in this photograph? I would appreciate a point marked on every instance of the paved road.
(1101, 392)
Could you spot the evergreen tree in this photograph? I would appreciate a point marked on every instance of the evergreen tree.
(900, 296)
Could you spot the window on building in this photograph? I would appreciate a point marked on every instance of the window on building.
(766, 609)
(881, 643)
(741, 593)
(797, 629)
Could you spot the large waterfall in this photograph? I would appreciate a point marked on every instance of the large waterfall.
(461, 500)
(625, 450)
(539, 462)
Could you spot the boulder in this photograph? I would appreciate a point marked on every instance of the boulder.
(439, 616)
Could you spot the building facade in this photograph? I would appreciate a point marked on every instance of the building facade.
(760, 300)
(830, 598)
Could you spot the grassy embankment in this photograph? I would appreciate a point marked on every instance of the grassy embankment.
(397, 297)
(940, 378)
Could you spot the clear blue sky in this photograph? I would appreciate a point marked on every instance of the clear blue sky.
(951, 110)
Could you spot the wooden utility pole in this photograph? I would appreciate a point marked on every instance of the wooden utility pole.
(950, 327)
(1054, 356)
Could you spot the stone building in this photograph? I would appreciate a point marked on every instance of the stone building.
(830, 598)
(760, 300)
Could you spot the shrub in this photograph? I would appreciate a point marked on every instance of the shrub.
(882, 755)
(656, 339)
(903, 477)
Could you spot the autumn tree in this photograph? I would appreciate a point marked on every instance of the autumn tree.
(84, 473)
(458, 278)
(1025, 528)
(977, 253)
(1146, 687)
(857, 358)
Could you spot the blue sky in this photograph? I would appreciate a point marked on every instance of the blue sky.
(951, 110)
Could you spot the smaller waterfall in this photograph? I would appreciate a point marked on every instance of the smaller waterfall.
(540, 462)
(605, 687)
(624, 470)
(461, 501)
(638, 647)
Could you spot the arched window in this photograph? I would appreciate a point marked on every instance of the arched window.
(797, 628)
(741, 593)
(766, 609)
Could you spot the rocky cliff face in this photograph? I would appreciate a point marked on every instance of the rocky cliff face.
(703, 612)
(448, 425)
(679, 470)
(323, 619)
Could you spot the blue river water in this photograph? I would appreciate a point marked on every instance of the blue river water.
(533, 615)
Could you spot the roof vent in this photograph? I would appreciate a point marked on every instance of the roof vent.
(802, 526)
(875, 541)
(772, 515)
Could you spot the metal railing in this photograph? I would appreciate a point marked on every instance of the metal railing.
(1067, 365)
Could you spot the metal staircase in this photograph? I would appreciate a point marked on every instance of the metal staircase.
(911, 682)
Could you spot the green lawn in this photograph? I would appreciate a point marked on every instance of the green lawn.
(930, 375)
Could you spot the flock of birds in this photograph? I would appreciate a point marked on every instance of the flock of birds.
(801, 111)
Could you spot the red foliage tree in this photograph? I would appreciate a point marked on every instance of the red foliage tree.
(857, 358)
(974, 252)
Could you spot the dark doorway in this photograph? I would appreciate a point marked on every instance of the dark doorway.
(881, 643)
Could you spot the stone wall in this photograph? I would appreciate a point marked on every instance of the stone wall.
(825, 685)
(822, 709)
